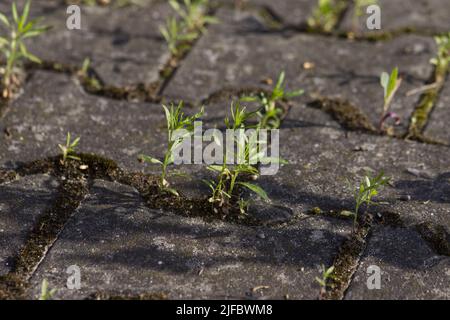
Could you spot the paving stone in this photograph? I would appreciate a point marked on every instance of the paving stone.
(420, 15)
(21, 202)
(235, 54)
(409, 268)
(121, 246)
(439, 119)
(291, 12)
(123, 44)
(322, 160)
(53, 104)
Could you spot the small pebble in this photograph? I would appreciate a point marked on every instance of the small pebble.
(405, 197)
(261, 235)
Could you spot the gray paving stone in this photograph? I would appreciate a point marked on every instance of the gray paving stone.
(123, 44)
(235, 54)
(420, 15)
(322, 159)
(121, 246)
(21, 202)
(438, 122)
(53, 104)
(409, 268)
(291, 12)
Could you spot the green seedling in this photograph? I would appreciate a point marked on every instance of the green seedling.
(176, 122)
(46, 294)
(443, 56)
(84, 74)
(326, 15)
(193, 14)
(176, 37)
(190, 22)
(243, 205)
(270, 114)
(368, 188)
(13, 46)
(68, 150)
(390, 84)
(327, 274)
(228, 176)
(441, 63)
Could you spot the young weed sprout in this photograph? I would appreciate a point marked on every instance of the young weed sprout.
(193, 14)
(368, 188)
(176, 120)
(13, 47)
(270, 113)
(390, 84)
(326, 15)
(180, 31)
(177, 40)
(224, 187)
(68, 150)
(326, 275)
(443, 56)
(46, 294)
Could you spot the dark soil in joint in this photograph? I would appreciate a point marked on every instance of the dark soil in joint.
(347, 115)
(436, 236)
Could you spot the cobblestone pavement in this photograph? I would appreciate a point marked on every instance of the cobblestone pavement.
(104, 219)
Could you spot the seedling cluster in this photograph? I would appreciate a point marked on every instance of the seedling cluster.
(68, 149)
(269, 112)
(368, 188)
(176, 122)
(13, 48)
(227, 177)
(326, 15)
(189, 23)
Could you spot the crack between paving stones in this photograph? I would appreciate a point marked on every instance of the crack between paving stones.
(41, 238)
(419, 118)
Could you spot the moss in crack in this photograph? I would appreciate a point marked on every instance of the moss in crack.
(347, 260)
(139, 92)
(7, 176)
(12, 287)
(389, 218)
(347, 115)
(147, 185)
(127, 296)
(48, 226)
(92, 167)
(419, 118)
(436, 236)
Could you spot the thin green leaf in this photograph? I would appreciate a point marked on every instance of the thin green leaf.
(256, 189)
(149, 159)
(4, 19)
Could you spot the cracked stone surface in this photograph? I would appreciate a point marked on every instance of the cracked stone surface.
(237, 54)
(124, 45)
(323, 160)
(120, 245)
(409, 268)
(439, 118)
(420, 15)
(21, 202)
(124, 248)
(53, 104)
(291, 12)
